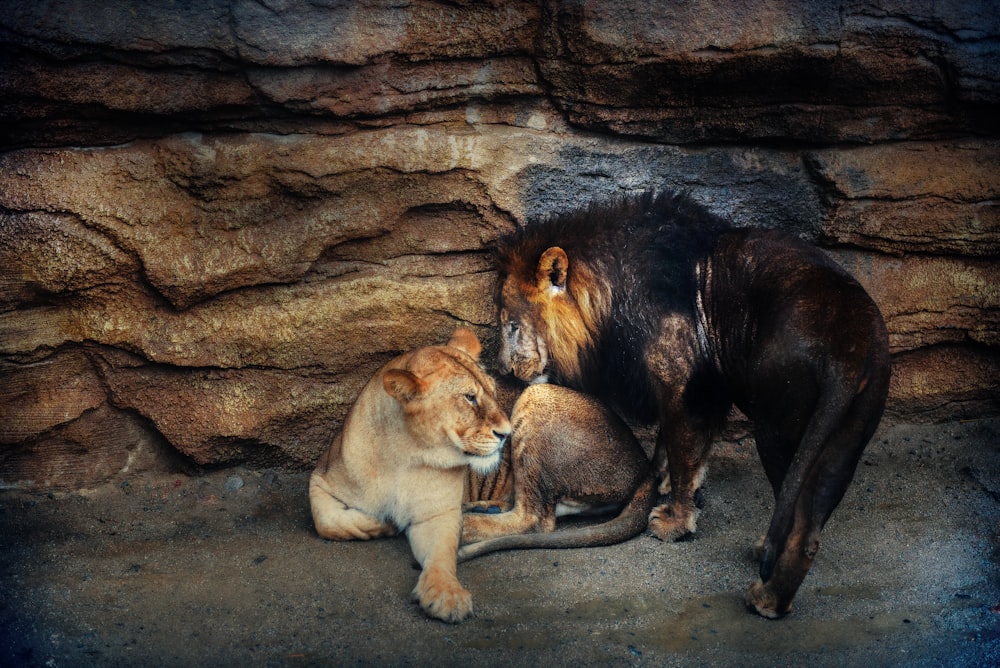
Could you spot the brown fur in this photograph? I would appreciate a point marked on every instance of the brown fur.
(672, 315)
(400, 462)
(566, 448)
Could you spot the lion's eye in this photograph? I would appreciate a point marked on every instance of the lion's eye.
(471, 398)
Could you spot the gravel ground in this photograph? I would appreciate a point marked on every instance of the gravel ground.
(224, 568)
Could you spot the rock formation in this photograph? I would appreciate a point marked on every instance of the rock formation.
(218, 218)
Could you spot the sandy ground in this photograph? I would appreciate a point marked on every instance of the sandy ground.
(178, 570)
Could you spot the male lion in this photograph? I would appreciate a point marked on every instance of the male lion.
(673, 315)
(568, 454)
(400, 461)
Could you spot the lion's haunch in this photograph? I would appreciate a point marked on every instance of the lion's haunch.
(566, 448)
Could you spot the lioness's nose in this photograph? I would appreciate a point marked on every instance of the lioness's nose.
(502, 436)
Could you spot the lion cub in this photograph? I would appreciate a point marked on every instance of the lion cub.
(568, 453)
(400, 461)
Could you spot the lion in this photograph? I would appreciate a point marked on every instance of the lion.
(400, 462)
(568, 454)
(673, 315)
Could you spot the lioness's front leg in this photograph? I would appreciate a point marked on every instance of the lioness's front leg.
(435, 545)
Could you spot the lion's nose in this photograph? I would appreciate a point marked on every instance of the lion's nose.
(502, 436)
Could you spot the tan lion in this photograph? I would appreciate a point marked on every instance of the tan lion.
(400, 462)
(568, 454)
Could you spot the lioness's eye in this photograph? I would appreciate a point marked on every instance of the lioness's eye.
(471, 398)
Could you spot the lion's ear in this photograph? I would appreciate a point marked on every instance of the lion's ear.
(551, 272)
(402, 385)
(466, 340)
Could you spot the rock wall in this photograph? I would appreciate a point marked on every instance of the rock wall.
(218, 218)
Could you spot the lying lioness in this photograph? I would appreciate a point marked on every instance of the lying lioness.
(568, 452)
(400, 462)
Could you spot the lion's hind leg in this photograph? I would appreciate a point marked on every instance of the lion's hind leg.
(812, 487)
(520, 519)
(335, 520)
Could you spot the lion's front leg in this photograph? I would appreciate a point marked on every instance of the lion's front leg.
(435, 545)
(686, 431)
(686, 451)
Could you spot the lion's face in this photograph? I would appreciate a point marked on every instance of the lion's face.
(523, 350)
(450, 406)
(547, 321)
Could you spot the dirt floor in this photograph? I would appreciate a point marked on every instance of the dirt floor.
(225, 569)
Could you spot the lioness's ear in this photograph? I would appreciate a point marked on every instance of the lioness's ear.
(401, 385)
(466, 340)
(552, 268)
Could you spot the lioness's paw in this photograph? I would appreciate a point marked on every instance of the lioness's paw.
(666, 527)
(443, 598)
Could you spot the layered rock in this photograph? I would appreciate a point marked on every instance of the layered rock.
(218, 219)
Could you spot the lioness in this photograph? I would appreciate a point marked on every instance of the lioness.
(667, 311)
(400, 461)
(568, 454)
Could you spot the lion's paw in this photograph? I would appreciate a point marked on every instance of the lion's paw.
(762, 601)
(443, 598)
(666, 527)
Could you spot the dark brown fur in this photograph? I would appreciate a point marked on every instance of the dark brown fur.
(669, 313)
(565, 447)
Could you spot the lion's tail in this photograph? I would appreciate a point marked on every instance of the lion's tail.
(630, 522)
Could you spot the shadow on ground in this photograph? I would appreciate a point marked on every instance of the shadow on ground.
(224, 569)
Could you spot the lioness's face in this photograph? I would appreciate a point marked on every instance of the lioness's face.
(450, 407)
(523, 350)
(474, 424)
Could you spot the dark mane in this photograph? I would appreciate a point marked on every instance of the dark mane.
(667, 231)
(644, 248)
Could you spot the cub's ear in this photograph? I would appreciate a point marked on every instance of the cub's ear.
(402, 385)
(466, 340)
(551, 272)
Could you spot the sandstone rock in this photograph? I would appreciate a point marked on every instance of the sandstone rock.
(263, 417)
(40, 396)
(944, 383)
(217, 219)
(927, 301)
(84, 74)
(807, 70)
(916, 197)
(205, 216)
(97, 446)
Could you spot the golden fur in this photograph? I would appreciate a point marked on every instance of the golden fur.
(400, 462)
(555, 318)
